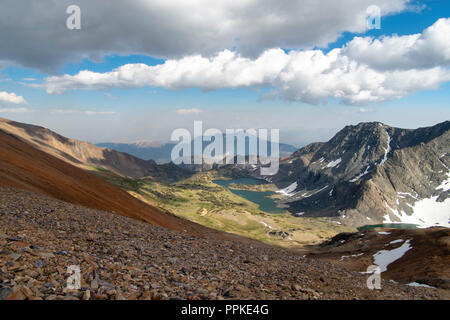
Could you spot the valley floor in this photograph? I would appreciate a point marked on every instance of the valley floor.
(199, 199)
(122, 258)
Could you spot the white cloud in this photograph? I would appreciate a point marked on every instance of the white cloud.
(11, 98)
(309, 76)
(14, 110)
(426, 50)
(87, 112)
(189, 111)
(63, 111)
(93, 113)
(173, 29)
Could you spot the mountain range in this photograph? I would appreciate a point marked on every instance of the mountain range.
(370, 173)
(54, 210)
(161, 153)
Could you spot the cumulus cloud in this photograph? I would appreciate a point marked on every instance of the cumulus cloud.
(173, 29)
(426, 50)
(189, 111)
(11, 98)
(351, 73)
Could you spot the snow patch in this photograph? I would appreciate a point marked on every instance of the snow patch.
(396, 241)
(333, 163)
(265, 224)
(386, 150)
(402, 194)
(383, 232)
(360, 175)
(384, 258)
(416, 284)
(288, 191)
(352, 256)
(445, 185)
(319, 161)
(306, 195)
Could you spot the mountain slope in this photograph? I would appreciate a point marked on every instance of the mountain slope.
(425, 260)
(122, 258)
(24, 167)
(84, 154)
(143, 150)
(372, 173)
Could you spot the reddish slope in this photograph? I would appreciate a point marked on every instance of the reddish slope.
(22, 166)
(426, 262)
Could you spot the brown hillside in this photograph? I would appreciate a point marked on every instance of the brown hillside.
(22, 166)
(84, 154)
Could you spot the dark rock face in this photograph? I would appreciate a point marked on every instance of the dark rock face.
(368, 174)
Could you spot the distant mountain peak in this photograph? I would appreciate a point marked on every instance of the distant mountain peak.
(362, 174)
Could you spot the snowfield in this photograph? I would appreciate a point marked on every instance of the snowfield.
(384, 258)
(427, 213)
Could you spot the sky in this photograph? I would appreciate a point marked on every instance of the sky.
(139, 69)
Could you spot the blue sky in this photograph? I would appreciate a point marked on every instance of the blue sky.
(127, 112)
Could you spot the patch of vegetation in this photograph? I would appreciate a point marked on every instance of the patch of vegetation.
(199, 199)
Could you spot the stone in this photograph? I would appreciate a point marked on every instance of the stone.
(87, 295)
(39, 263)
(5, 293)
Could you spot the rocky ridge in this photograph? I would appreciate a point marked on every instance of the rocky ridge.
(369, 174)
